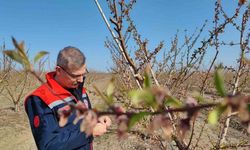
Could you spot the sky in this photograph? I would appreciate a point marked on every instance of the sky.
(53, 24)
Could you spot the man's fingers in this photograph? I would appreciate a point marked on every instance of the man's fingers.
(105, 120)
(99, 129)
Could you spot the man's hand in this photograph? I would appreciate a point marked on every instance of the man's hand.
(99, 129)
(105, 120)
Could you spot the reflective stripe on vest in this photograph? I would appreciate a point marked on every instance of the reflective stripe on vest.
(84, 98)
(84, 95)
(58, 102)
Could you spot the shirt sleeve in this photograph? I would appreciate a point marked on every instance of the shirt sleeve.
(46, 131)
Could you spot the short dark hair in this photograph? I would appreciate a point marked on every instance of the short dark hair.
(70, 58)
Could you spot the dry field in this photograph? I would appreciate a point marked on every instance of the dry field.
(15, 133)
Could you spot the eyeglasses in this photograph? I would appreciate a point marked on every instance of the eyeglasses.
(74, 76)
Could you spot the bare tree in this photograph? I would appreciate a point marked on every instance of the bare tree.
(180, 67)
(242, 72)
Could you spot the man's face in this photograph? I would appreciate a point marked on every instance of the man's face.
(70, 79)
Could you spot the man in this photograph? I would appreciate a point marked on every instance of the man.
(42, 106)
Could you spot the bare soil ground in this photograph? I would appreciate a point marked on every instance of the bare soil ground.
(15, 133)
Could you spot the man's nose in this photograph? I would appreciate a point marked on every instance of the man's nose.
(80, 78)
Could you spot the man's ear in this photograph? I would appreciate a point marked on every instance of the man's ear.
(58, 70)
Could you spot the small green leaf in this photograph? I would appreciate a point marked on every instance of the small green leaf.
(110, 91)
(111, 87)
(199, 97)
(171, 101)
(40, 55)
(136, 118)
(135, 96)
(215, 114)
(142, 96)
(147, 80)
(21, 52)
(14, 56)
(219, 83)
(20, 48)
